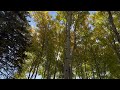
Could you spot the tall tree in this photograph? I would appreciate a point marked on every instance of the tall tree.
(13, 41)
(67, 45)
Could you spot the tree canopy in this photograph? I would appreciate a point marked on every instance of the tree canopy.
(68, 45)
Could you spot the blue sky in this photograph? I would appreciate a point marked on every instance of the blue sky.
(52, 13)
(32, 23)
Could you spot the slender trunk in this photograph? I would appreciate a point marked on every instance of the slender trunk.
(82, 74)
(79, 77)
(85, 71)
(75, 77)
(113, 27)
(74, 47)
(93, 74)
(29, 73)
(80, 71)
(32, 67)
(44, 75)
(104, 71)
(55, 69)
(36, 71)
(33, 72)
(67, 48)
(70, 70)
(48, 70)
(55, 73)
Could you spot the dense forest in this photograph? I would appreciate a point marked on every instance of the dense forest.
(68, 45)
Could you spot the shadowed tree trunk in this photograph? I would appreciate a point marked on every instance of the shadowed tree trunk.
(113, 27)
(67, 47)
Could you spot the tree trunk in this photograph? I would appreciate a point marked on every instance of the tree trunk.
(113, 27)
(82, 73)
(44, 75)
(104, 71)
(55, 69)
(93, 74)
(67, 47)
(48, 70)
(55, 73)
(74, 47)
(31, 68)
(33, 72)
(36, 71)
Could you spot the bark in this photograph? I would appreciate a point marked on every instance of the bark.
(48, 71)
(81, 71)
(55, 73)
(104, 71)
(113, 27)
(33, 72)
(74, 47)
(44, 72)
(32, 66)
(36, 71)
(67, 48)
(55, 69)
(93, 74)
